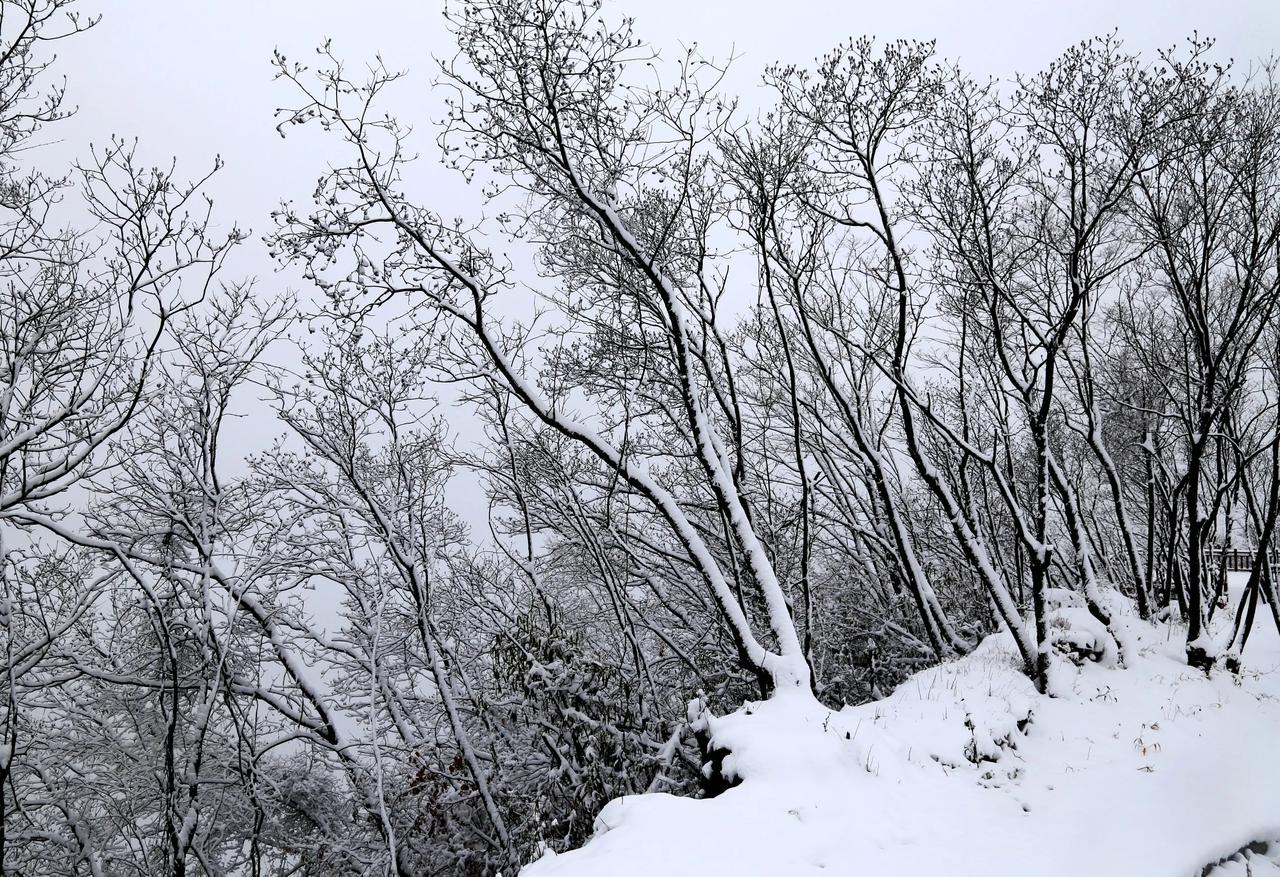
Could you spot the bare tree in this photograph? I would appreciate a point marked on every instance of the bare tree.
(541, 100)
(1207, 205)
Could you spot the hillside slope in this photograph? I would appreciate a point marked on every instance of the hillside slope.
(1136, 766)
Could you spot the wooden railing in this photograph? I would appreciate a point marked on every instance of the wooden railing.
(1240, 559)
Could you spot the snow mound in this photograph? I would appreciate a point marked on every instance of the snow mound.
(1135, 767)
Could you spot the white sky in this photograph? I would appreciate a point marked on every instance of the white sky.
(192, 78)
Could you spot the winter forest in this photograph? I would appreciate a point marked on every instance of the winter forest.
(883, 478)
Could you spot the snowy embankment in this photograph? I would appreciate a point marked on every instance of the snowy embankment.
(1150, 768)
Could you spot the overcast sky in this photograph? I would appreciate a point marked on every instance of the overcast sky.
(192, 78)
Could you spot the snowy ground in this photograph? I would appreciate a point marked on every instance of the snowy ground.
(1149, 769)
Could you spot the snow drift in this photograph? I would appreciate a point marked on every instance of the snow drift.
(1137, 765)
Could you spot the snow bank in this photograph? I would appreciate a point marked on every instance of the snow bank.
(1153, 769)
